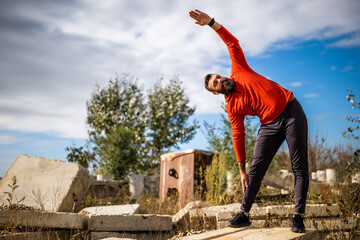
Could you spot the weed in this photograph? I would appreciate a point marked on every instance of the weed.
(13, 186)
(12, 205)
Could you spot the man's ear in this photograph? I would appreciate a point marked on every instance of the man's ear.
(215, 93)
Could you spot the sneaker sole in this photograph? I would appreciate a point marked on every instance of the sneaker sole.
(298, 231)
(239, 225)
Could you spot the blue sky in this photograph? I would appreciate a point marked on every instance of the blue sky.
(53, 54)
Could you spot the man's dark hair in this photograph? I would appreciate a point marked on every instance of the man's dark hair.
(207, 78)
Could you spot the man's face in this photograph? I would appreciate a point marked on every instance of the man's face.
(220, 84)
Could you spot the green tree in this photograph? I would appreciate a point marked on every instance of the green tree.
(220, 138)
(169, 112)
(118, 152)
(121, 103)
(118, 109)
(119, 118)
(81, 155)
(352, 132)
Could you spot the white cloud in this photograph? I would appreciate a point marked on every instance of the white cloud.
(311, 95)
(333, 68)
(352, 41)
(53, 52)
(7, 139)
(296, 84)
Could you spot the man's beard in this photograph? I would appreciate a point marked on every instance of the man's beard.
(227, 86)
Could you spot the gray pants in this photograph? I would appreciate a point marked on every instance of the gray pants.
(291, 126)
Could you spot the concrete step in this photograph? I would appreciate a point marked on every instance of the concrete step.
(112, 210)
(28, 218)
(253, 233)
(135, 222)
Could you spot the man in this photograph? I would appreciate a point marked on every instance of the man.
(281, 117)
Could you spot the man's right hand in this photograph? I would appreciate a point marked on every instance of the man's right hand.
(244, 181)
(243, 175)
(201, 18)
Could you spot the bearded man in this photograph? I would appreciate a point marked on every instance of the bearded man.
(281, 116)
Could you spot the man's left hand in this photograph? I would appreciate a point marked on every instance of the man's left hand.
(201, 18)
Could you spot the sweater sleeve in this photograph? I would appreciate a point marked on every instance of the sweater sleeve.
(238, 135)
(237, 56)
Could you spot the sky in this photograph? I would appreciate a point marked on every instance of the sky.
(53, 53)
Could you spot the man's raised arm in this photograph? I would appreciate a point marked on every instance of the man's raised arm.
(236, 54)
(203, 19)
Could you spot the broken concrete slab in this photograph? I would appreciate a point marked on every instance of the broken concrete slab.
(39, 219)
(112, 210)
(254, 223)
(252, 233)
(115, 238)
(322, 210)
(276, 179)
(46, 184)
(285, 211)
(131, 235)
(256, 213)
(136, 222)
(39, 235)
(213, 210)
(321, 224)
(312, 210)
(191, 205)
(181, 220)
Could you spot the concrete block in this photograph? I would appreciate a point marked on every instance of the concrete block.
(254, 223)
(152, 183)
(224, 216)
(105, 189)
(258, 223)
(255, 213)
(356, 178)
(312, 210)
(116, 238)
(284, 211)
(253, 233)
(136, 185)
(27, 218)
(331, 224)
(104, 177)
(321, 224)
(39, 235)
(322, 210)
(212, 211)
(191, 205)
(136, 222)
(330, 175)
(258, 213)
(131, 235)
(46, 184)
(112, 210)
(222, 224)
(321, 175)
(277, 179)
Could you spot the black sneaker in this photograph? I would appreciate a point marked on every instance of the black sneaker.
(298, 224)
(240, 220)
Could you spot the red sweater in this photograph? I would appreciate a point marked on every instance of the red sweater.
(254, 94)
